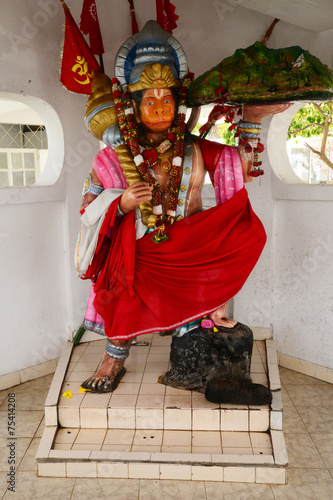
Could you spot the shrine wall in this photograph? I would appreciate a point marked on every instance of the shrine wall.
(42, 300)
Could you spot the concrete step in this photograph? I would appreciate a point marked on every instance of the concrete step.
(145, 429)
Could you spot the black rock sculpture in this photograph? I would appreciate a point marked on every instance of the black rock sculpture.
(216, 363)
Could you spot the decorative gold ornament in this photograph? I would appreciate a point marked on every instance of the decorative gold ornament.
(155, 76)
(166, 161)
(100, 108)
(86, 184)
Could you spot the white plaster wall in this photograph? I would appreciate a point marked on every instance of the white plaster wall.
(37, 283)
(51, 298)
(302, 280)
(34, 293)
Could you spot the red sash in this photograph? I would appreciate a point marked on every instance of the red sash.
(146, 287)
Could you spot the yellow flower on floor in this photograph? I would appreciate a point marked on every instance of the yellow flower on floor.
(82, 389)
(68, 394)
(215, 329)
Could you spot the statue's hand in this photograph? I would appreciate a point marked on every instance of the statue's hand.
(134, 195)
(255, 113)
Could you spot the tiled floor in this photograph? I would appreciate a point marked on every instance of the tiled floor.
(169, 441)
(308, 429)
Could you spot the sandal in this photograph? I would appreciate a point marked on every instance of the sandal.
(107, 384)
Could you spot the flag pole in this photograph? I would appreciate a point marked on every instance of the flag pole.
(64, 4)
(101, 62)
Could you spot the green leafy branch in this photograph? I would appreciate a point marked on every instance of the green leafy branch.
(314, 119)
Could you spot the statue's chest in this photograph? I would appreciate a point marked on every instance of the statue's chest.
(162, 174)
(163, 178)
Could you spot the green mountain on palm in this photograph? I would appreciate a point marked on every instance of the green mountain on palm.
(259, 75)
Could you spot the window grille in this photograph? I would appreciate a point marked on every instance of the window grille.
(20, 151)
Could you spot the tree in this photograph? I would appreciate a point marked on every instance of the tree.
(314, 119)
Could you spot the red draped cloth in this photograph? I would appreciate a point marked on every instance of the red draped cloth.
(146, 287)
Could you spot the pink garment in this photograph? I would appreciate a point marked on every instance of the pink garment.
(228, 180)
(108, 169)
(110, 173)
(228, 176)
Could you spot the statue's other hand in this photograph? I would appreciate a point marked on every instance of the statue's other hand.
(255, 113)
(134, 195)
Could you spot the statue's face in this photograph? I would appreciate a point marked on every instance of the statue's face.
(157, 110)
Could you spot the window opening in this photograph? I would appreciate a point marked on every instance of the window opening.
(219, 132)
(22, 149)
(24, 143)
(310, 143)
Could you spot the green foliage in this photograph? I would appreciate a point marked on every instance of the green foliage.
(195, 131)
(311, 118)
(227, 136)
(219, 132)
(315, 120)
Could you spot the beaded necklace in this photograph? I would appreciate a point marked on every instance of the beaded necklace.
(145, 158)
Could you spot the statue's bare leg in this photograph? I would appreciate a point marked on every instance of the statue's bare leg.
(108, 375)
(220, 318)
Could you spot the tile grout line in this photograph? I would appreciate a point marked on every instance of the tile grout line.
(204, 482)
(19, 465)
(141, 382)
(327, 468)
(74, 485)
(309, 433)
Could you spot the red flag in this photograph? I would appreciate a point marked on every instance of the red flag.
(89, 24)
(165, 15)
(135, 28)
(78, 62)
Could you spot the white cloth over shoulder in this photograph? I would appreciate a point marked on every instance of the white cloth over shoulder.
(91, 222)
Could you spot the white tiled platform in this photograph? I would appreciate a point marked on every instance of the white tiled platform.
(147, 430)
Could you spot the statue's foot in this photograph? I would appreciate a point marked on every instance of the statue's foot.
(226, 322)
(107, 377)
(220, 318)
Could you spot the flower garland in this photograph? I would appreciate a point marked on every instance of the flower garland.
(148, 158)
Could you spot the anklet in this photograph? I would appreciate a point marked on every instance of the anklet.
(115, 351)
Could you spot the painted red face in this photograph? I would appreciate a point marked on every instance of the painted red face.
(157, 110)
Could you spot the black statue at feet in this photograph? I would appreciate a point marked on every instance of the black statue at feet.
(216, 363)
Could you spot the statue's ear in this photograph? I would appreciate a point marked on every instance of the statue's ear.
(136, 111)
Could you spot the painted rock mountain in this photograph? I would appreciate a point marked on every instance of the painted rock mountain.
(260, 75)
